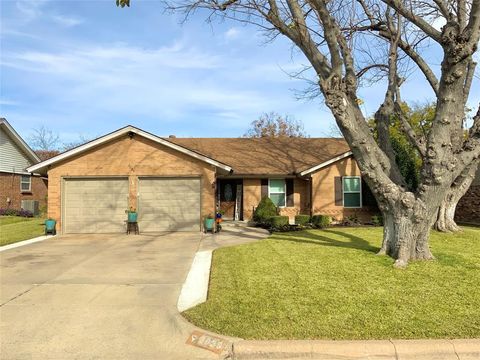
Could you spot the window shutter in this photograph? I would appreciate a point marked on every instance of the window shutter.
(338, 191)
(367, 196)
(264, 188)
(289, 183)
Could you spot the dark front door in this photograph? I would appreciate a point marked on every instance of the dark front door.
(227, 198)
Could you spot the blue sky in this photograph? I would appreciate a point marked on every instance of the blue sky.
(87, 68)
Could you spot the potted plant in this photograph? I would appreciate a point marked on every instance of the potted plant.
(209, 223)
(218, 219)
(132, 215)
(50, 225)
(220, 213)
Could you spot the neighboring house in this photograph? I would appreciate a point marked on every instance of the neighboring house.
(468, 208)
(173, 183)
(16, 183)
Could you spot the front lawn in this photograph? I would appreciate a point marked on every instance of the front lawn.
(329, 284)
(16, 228)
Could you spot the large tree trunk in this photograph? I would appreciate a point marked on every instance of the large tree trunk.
(446, 213)
(406, 231)
(445, 221)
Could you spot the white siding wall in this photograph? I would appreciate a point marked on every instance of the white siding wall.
(12, 159)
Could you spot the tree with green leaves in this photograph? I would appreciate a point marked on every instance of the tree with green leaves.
(420, 119)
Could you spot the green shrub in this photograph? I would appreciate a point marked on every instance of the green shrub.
(278, 223)
(265, 210)
(351, 220)
(377, 220)
(302, 219)
(321, 221)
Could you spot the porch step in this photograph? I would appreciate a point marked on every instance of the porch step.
(237, 223)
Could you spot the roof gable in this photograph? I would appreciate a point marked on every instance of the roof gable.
(16, 155)
(132, 131)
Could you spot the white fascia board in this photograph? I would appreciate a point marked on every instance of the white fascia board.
(19, 141)
(118, 133)
(326, 163)
(21, 173)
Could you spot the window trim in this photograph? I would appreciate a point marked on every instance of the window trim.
(284, 191)
(24, 182)
(351, 192)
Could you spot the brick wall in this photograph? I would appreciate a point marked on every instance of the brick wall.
(323, 192)
(10, 188)
(132, 158)
(252, 195)
(252, 191)
(468, 208)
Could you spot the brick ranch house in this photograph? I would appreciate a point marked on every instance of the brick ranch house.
(16, 184)
(175, 182)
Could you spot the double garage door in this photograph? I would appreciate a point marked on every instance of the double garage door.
(97, 205)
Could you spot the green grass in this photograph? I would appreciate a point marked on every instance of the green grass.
(16, 228)
(329, 284)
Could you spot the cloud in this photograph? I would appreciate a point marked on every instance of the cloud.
(31, 10)
(232, 33)
(7, 102)
(66, 21)
(93, 58)
(169, 82)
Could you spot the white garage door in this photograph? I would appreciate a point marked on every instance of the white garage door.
(169, 204)
(95, 205)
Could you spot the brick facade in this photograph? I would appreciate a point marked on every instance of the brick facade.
(252, 190)
(323, 192)
(252, 194)
(132, 158)
(10, 189)
(468, 208)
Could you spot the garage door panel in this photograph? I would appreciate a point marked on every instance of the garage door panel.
(169, 204)
(95, 205)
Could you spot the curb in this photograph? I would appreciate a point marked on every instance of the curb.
(25, 242)
(459, 349)
(195, 288)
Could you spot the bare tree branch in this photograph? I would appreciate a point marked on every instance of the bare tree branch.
(414, 19)
(443, 7)
(417, 59)
(413, 138)
(469, 79)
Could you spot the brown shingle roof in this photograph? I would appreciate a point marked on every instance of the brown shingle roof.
(254, 156)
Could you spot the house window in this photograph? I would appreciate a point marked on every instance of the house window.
(352, 192)
(277, 192)
(26, 183)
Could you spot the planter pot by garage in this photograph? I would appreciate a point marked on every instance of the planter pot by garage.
(50, 226)
(208, 224)
(132, 216)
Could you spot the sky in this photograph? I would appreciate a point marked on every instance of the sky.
(86, 68)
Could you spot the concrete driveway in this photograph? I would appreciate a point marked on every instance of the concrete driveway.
(97, 297)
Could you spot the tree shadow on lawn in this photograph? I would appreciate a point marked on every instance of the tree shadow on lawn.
(354, 242)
